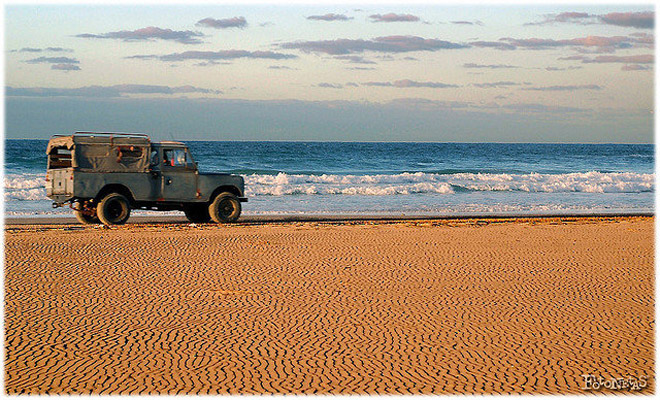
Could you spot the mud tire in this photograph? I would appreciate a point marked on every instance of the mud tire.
(114, 209)
(225, 208)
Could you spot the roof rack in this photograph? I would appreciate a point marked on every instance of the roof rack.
(112, 134)
(84, 133)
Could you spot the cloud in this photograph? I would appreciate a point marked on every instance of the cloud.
(392, 17)
(542, 108)
(583, 44)
(105, 91)
(330, 85)
(495, 45)
(65, 67)
(211, 63)
(148, 34)
(588, 41)
(216, 55)
(27, 50)
(489, 66)
(642, 20)
(574, 17)
(329, 17)
(280, 67)
(38, 50)
(58, 49)
(355, 59)
(361, 68)
(407, 83)
(404, 120)
(561, 69)
(635, 67)
(467, 23)
(53, 60)
(420, 104)
(564, 88)
(638, 59)
(385, 44)
(235, 22)
(142, 57)
(491, 85)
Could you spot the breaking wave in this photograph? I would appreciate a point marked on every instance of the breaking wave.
(32, 186)
(420, 182)
(25, 187)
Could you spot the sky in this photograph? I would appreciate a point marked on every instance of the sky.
(441, 73)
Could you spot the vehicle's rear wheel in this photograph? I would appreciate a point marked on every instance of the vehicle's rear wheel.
(198, 213)
(86, 216)
(225, 208)
(113, 209)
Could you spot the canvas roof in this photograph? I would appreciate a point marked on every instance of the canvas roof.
(105, 153)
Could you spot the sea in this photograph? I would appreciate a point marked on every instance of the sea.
(395, 179)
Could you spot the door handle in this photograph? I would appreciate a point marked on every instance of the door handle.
(168, 181)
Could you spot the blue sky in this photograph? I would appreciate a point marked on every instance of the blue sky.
(374, 72)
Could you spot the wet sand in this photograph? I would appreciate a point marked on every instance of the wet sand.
(433, 306)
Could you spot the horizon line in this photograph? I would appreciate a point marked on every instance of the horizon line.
(372, 141)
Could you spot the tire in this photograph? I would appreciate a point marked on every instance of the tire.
(197, 213)
(113, 209)
(86, 219)
(225, 208)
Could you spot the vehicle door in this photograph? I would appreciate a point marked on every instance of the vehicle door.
(179, 175)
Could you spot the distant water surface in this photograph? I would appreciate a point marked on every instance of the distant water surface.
(395, 178)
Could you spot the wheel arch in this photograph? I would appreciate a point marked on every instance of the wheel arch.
(115, 188)
(224, 188)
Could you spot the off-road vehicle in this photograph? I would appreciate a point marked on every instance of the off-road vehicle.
(102, 176)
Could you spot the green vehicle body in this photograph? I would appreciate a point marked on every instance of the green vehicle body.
(86, 166)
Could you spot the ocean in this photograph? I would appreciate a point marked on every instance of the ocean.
(329, 178)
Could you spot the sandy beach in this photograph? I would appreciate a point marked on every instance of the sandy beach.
(517, 305)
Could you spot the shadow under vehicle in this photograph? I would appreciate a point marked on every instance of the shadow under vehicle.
(102, 176)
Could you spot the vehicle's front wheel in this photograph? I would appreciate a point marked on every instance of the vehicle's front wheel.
(197, 213)
(225, 208)
(113, 209)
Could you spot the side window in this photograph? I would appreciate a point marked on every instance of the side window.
(60, 157)
(130, 151)
(189, 160)
(154, 158)
(174, 157)
(129, 154)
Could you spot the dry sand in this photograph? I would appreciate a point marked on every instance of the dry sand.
(452, 306)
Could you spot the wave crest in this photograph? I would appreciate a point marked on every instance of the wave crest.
(32, 186)
(420, 182)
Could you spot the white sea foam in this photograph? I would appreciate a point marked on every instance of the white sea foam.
(25, 187)
(32, 186)
(420, 182)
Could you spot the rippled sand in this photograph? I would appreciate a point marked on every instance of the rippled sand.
(455, 306)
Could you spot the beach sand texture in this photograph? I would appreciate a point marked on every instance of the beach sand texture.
(454, 306)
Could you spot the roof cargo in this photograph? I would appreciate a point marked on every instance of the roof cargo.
(100, 152)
